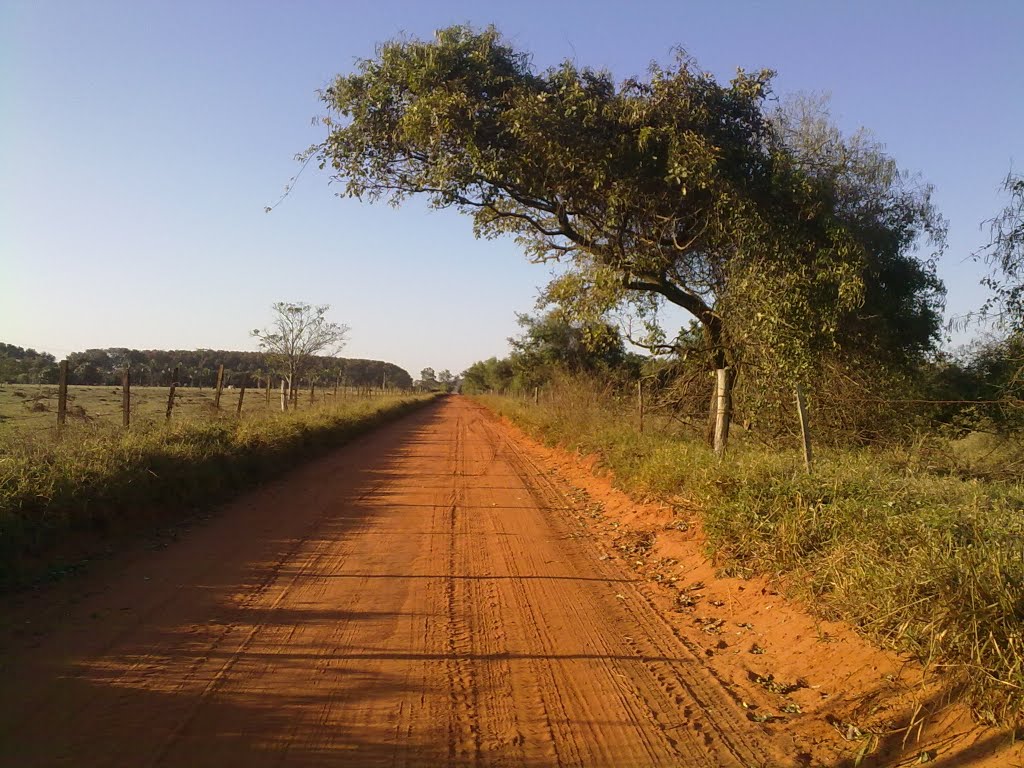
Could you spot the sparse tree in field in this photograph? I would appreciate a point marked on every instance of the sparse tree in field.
(672, 188)
(299, 333)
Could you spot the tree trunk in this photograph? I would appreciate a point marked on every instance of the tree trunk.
(715, 335)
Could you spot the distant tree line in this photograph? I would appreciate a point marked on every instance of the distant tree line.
(24, 366)
(429, 381)
(552, 343)
(197, 368)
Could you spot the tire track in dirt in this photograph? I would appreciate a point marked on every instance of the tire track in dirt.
(641, 698)
(463, 716)
(656, 639)
(252, 602)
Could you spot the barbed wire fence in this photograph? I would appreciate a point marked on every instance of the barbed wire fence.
(258, 394)
(787, 415)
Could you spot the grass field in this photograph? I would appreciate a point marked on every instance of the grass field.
(74, 492)
(34, 407)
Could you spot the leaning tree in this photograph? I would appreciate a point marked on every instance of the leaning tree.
(673, 188)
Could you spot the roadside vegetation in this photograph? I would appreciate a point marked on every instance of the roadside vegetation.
(63, 500)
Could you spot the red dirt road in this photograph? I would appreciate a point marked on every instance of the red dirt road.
(419, 597)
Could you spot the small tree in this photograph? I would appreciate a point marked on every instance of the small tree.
(297, 334)
(447, 380)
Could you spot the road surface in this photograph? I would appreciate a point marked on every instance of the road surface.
(420, 597)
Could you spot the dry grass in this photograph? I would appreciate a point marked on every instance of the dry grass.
(98, 479)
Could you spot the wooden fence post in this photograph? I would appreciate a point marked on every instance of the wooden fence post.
(268, 389)
(126, 397)
(721, 410)
(640, 403)
(62, 395)
(312, 389)
(170, 395)
(241, 396)
(220, 385)
(805, 428)
(284, 396)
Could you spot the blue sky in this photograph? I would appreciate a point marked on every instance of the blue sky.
(141, 141)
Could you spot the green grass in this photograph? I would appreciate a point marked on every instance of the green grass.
(59, 495)
(916, 545)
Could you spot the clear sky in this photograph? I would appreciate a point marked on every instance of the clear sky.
(141, 140)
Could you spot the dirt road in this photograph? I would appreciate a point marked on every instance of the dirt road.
(419, 597)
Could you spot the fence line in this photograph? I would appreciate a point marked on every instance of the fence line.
(147, 403)
(711, 419)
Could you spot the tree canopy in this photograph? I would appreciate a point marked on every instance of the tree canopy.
(670, 188)
(783, 239)
(890, 215)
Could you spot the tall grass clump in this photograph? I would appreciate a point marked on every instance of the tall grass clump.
(97, 479)
(920, 545)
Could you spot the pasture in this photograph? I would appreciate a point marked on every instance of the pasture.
(33, 408)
